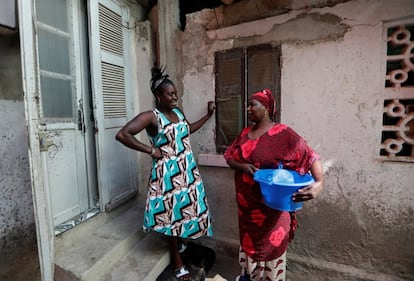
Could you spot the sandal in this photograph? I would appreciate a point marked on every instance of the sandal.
(181, 247)
(182, 274)
(244, 277)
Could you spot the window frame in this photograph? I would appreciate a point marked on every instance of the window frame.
(397, 96)
(246, 88)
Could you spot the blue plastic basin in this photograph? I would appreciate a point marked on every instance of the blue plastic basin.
(278, 195)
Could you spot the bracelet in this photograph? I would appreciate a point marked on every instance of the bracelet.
(152, 151)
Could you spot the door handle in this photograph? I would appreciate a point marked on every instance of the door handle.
(80, 120)
(44, 142)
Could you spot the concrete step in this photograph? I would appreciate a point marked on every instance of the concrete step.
(78, 233)
(144, 262)
(92, 250)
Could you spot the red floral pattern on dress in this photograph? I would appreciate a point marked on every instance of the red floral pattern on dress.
(245, 132)
(259, 237)
(241, 201)
(277, 236)
(248, 147)
(258, 217)
(276, 129)
(247, 179)
(248, 244)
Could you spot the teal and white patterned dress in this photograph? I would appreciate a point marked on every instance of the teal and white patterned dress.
(176, 202)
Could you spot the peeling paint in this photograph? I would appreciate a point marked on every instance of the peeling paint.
(305, 28)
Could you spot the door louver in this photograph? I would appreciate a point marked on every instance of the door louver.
(112, 64)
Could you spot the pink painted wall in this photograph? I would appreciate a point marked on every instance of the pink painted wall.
(333, 71)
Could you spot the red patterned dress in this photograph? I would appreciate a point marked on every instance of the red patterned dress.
(265, 232)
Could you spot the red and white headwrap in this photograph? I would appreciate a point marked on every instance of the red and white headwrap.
(266, 98)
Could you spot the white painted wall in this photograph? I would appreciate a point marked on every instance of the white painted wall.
(17, 229)
(332, 78)
(143, 57)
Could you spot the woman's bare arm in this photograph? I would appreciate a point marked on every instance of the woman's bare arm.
(313, 190)
(198, 124)
(126, 135)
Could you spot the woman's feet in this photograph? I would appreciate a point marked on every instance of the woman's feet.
(181, 246)
(182, 274)
(244, 277)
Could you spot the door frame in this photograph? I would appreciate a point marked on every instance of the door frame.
(37, 142)
(30, 78)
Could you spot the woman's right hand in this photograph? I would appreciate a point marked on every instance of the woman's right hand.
(157, 153)
(249, 169)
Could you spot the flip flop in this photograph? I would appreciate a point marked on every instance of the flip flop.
(182, 272)
(244, 277)
(181, 247)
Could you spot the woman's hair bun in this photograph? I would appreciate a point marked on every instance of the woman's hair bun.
(157, 77)
(156, 73)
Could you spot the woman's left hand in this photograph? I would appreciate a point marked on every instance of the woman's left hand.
(211, 106)
(311, 191)
(308, 193)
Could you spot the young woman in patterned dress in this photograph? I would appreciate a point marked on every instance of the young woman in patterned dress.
(265, 232)
(176, 204)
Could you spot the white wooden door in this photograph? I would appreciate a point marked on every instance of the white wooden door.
(113, 102)
(81, 162)
(58, 95)
(43, 217)
(54, 103)
(61, 127)
(65, 160)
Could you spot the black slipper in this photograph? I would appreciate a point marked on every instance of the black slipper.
(181, 273)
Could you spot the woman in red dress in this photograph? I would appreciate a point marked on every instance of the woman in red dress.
(265, 232)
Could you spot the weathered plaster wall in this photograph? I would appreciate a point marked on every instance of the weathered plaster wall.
(16, 208)
(144, 57)
(332, 77)
(249, 10)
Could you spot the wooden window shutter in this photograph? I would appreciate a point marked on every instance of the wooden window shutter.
(229, 73)
(113, 79)
(263, 71)
(113, 100)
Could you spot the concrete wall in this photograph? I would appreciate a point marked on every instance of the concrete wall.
(17, 224)
(332, 77)
(144, 57)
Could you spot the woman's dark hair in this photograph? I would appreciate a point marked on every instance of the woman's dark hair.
(158, 79)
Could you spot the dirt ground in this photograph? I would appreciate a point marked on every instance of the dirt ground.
(25, 267)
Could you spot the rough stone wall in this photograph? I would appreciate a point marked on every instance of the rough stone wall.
(332, 77)
(144, 57)
(250, 10)
(17, 224)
